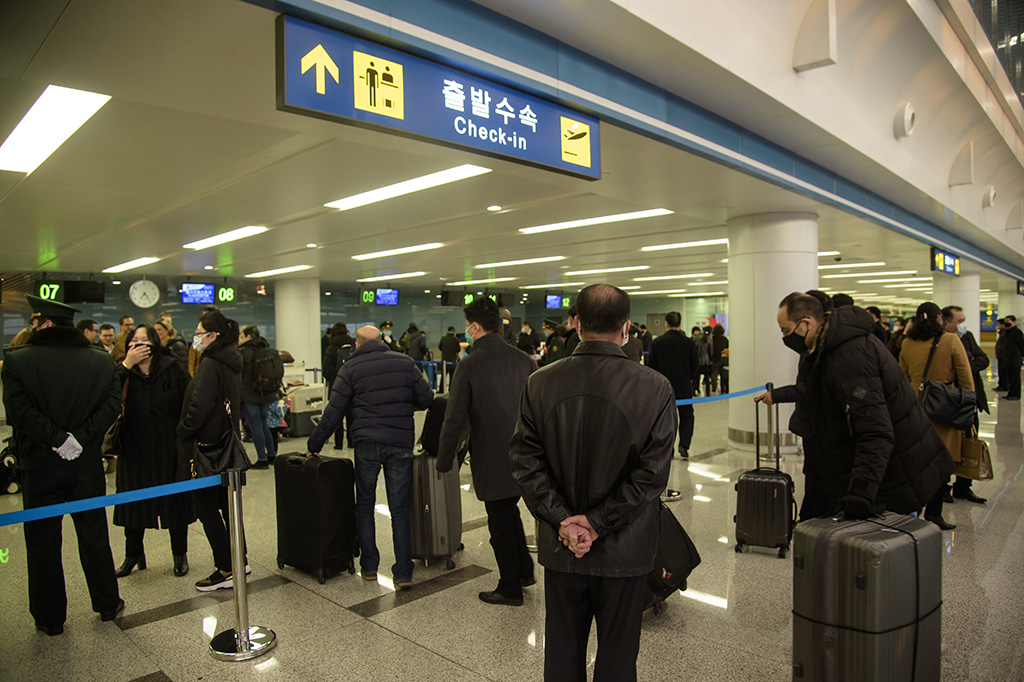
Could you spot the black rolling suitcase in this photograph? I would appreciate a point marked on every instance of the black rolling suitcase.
(316, 514)
(765, 500)
(435, 511)
(867, 600)
(676, 558)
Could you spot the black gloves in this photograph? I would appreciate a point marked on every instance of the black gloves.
(855, 506)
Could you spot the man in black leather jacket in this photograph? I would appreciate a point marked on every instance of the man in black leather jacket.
(591, 454)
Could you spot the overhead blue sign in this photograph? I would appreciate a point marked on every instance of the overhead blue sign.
(322, 72)
(943, 261)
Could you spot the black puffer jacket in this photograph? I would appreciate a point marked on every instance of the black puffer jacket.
(595, 435)
(333, 355)
(203, 417)
(867, 432)
(380, 389)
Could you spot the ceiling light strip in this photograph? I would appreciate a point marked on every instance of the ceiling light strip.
(600, 271)
(408, 186)
(493, 280)
(690, 276)
(525, 261)
(870, 274)
(561, 285)
(398, 252)
(685, 245)
(388, 278)
(279, 271)
(225, 237)
(840, 266)
(132, 264)
(599, 220)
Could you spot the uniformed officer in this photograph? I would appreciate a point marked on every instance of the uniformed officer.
(61, 396)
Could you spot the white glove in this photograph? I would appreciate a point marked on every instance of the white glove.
(70, 450)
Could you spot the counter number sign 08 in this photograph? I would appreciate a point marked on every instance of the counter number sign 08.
(226, 294)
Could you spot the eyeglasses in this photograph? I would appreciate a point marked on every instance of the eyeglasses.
(199, 336)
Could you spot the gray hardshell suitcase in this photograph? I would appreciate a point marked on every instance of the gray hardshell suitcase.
(765, 501)
(867, 600)
(435, 511)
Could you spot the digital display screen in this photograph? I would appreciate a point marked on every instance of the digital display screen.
(83, 292)
(387, 297)
(1020, 288)
(192, 292)
(943, 261)
(553, 301)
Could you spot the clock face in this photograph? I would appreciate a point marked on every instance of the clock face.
(144, 293)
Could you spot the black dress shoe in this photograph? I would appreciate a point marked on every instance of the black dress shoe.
(180, 564)
(111, 615)
(51, 630)
(940, 522)
(130, 562)
(947, 498)
(970, 496)
(496, 598)
(1007, 397)
(527, 582)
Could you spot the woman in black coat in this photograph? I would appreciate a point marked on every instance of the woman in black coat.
(155, 384)
(204, 419)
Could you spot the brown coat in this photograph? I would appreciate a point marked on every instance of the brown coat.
(950, 361)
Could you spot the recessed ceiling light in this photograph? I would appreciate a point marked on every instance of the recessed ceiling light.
(311, 245)
(399, 251)
(560, 285)
(482, 281)
(724, 260)
(137, 263)
(495, 207)
(408, 186)
(871, 274)
(327, 293)
(54, 117)
(426, 291)
(685, 245)
(387, 278)
(116, 281)
(690, 276)
(223, 238)
(279, 271)
(207, 267)
(839, 266)
(525, 261)
(599, 271)
(600, 220)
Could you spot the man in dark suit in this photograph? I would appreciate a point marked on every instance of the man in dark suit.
(61, 395)
(955, 321)
(1013, 358)
(573, 339)
(449, 347)
(675, 356)
(485, 392)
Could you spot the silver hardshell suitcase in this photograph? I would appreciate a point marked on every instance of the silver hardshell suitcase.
(435, 511)
(867, 600)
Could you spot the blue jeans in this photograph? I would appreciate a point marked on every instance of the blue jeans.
(397, 464)
(262, 438)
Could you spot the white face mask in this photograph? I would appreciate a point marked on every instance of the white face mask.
(961, 329)
(388, 333)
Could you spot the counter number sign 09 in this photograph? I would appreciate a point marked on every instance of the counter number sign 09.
(368, 296)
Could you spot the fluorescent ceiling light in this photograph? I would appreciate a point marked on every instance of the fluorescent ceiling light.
(701, 284)
(894, 279)
(725, 260)
(137, 263)
(839, 266)
(629, 288)
(493, 280)
(827, 253)
(906, 285)
(398, 252)
(701, 294)
(388, 278)
(54, 117)
(659, 292)
(562, 285)
(921, 289)
(408, 186)
(685, 245)
(224, 238)
(691, 276)
(600, 220)
(871, 274)
(599, 271)
(525, 261)
(279, 271)
(493, 208)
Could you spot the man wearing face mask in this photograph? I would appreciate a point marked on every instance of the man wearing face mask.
(870, 440)
(955, 321)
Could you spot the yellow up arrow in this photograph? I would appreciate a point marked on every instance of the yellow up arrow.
(318, 57)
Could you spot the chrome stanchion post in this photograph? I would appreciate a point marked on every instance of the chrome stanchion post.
(532, 540)
(243, 642)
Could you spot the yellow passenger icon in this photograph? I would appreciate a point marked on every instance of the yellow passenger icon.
(575, 142)
(377, 85)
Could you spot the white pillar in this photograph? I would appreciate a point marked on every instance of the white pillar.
(1010, 303)
(297, 319)
(770, 256)
(960, 291)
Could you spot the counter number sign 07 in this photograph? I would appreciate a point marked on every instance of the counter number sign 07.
(48, 292)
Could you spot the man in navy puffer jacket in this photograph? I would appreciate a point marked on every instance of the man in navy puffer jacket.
(380, 390)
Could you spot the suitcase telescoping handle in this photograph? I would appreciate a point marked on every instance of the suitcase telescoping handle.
(772, 432)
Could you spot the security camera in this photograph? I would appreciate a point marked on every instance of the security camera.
(838, 258)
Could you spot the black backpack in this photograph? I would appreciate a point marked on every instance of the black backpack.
(268, 370)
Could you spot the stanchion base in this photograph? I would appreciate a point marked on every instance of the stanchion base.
(671, 496)
(224, 647)
(531, 544)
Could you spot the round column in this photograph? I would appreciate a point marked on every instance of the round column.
(770, 255)
(960, 291)
(1010, 303)
(297, 319)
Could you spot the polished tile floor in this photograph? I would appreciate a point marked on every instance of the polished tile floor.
(734, 623)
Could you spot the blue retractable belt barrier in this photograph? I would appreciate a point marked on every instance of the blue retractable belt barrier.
(724, 396)
(38, 513)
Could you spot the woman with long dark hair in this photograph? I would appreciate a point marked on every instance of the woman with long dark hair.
(949, 364)
(154, 384)
(211, 407)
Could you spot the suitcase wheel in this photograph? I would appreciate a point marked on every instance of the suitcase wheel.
(280, 564)
(352, 568)
(658, 608)
(449, 564)
(782, 552)
(321, 577)
(461, 547)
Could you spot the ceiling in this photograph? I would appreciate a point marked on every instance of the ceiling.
(192, 145)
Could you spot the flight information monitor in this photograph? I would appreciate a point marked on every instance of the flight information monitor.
(553, 301)
(192, 292)
(387, 297)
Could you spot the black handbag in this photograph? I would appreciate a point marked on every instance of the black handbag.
(944, 404)
(112, 438)
(225, 454)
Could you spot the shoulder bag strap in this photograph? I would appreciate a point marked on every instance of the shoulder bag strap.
(931, 354)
